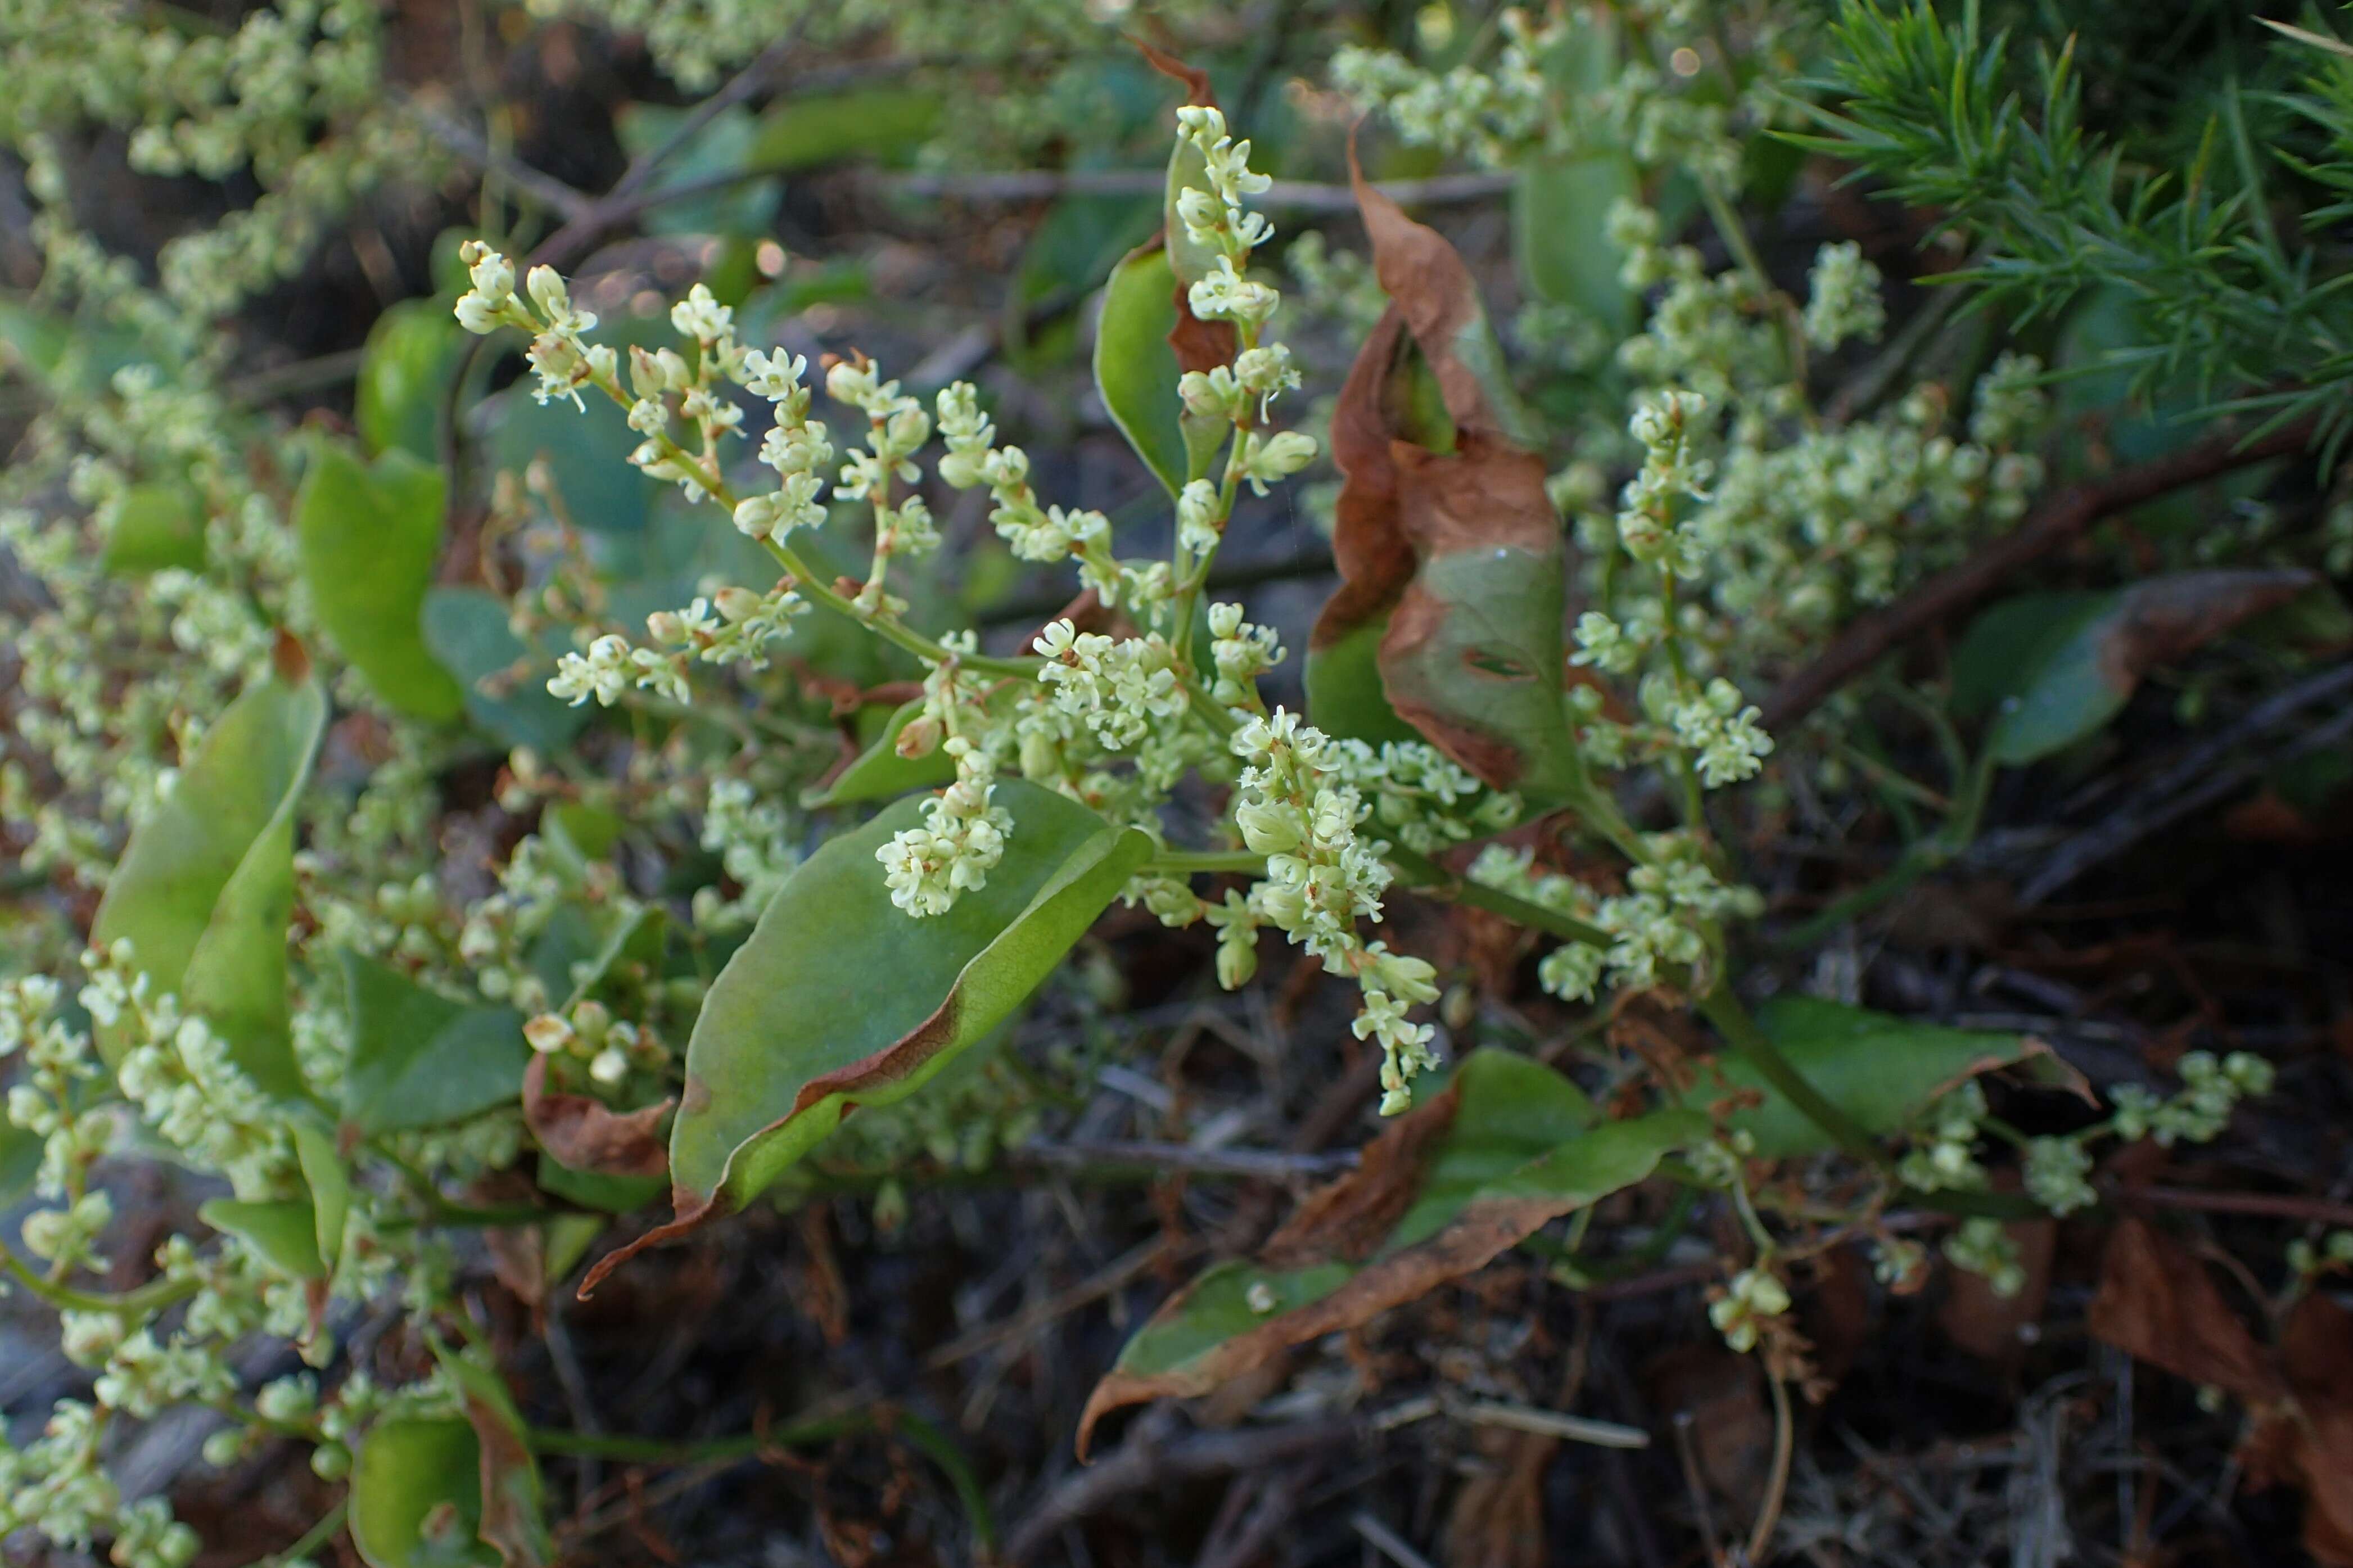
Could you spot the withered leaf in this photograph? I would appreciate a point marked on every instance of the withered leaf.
(1449, 553)
(584, 1134)
(1507, 1146)
(2157, 1304)
(2310, 1442)
(2051, 669)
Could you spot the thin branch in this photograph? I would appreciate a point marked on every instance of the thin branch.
(2057, 522)
(2271, 1206)
(466, 142)
(1149, 1461)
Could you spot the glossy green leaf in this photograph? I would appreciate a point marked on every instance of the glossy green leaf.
(369, 535)
(204, 890)
(1560, 209)
(330, 1188)
(155, 526)
(419, 1060)
(417, 1496)
(880, 773)
(802, 131)
(1883, 1071)
(514, 1519)
(795, 1031)
(503, 679)
(411, 357)
(2054, 668)
(283, 1231)
(1508, 1146)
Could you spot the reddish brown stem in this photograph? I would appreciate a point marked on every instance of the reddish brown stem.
(2058, 521)
(2275, 1205)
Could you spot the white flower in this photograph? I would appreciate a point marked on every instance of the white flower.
(701, 317)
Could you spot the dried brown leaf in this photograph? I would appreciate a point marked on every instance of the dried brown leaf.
(584, 1134)
(2309, 1442)
(2157, 1303)
(1448, 534)
(2166, 617)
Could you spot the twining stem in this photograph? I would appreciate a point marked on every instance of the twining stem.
(1722, 1009)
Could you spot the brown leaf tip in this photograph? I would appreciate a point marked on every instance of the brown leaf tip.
(290, 657)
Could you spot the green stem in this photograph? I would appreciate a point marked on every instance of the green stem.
(1722, 1009)
(1426, 876)
(144, 1301)
(1734, 235)
(313, 1539)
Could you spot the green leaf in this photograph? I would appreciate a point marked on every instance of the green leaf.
(723, 145)
(1135, 368)
(204, 890)
(1509, 1146)
(1883, 1071)
(1560, 209)
(284, 1231)
(598, 1189)
(155, 526)
(795, 1031)
(877, 121)
(514, 1519)
(2054, 668)
(504, 681)
(880, 773)
(419, 1060)
(369, 535)
(330, 1188)
(417, 1496)
(411, 357)
(1344, 687)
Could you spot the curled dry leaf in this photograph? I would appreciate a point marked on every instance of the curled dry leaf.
(587, 1135)
(1449, 553)
(1507, 1146)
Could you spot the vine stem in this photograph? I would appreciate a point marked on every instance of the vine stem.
(1722, 1009)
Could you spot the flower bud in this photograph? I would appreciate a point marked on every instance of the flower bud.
(919, 738)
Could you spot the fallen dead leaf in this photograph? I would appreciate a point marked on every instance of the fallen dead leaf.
(2309, 1442)
(2157, 1303)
